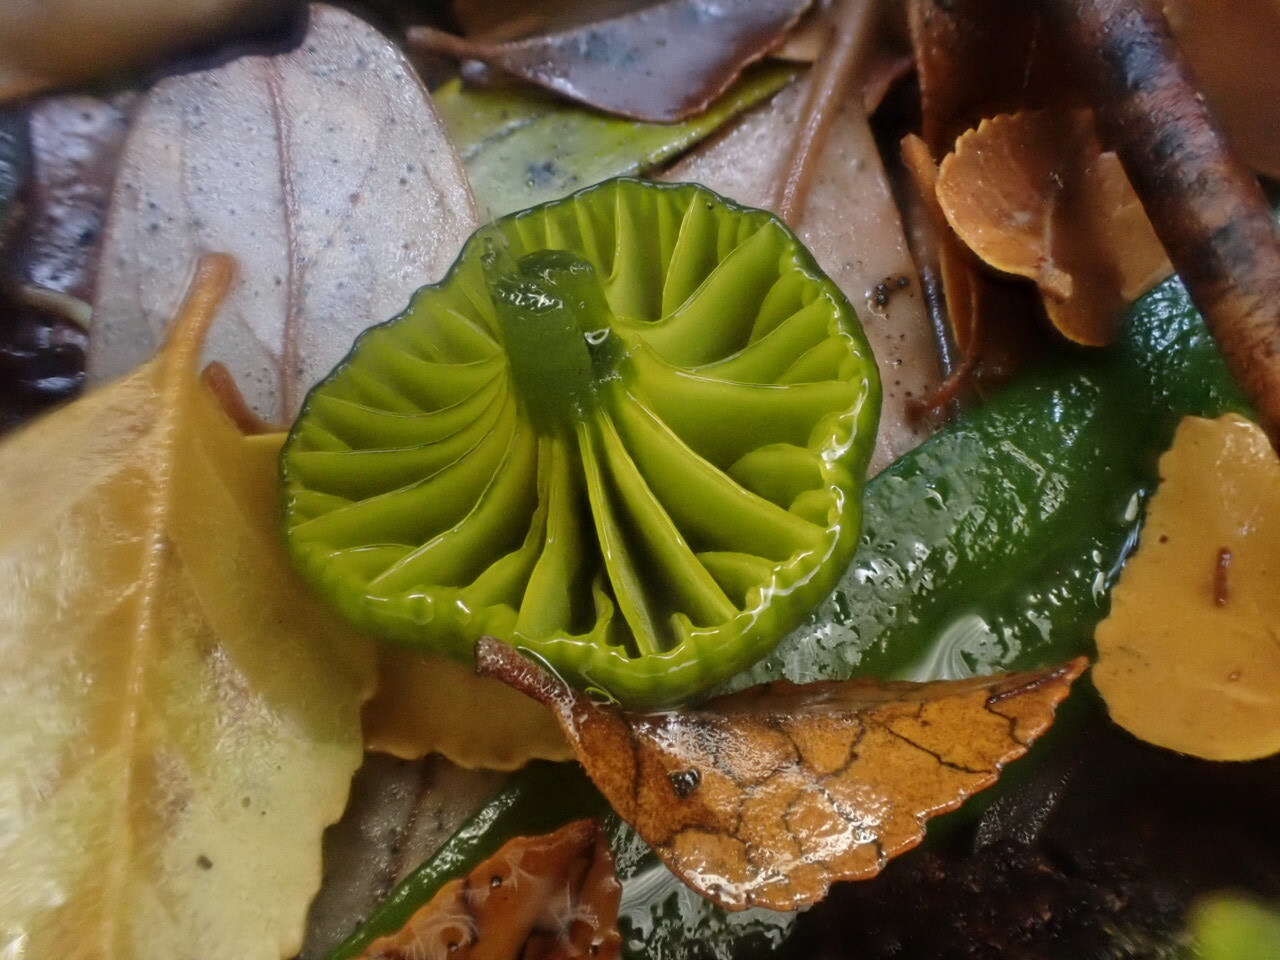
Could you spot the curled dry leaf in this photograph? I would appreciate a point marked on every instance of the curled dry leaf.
(183, 721)
(1189, 658)
(662, 63)
(976, 59)
(1234, 48)
(850, 207)
(1033, 194)
(431, 704)
(324, 170)
(767, 797)
(551, 897)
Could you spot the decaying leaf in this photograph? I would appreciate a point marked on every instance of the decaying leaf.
(1033, 194)
(183, 715)
(767, 797)
(398, 815)
(52, 43)
(522, 146)
(661, 63)
(1189, 658)
(430, 704)
(324, 170)
(552, 897)
(1234, 48)
(852, 226)
(977, 59)
(509, 19)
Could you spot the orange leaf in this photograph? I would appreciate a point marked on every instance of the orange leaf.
(767, 797)
(551, 897)
(1033, 194)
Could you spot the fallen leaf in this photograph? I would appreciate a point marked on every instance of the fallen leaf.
(398, 815)
(976, 59)
(1189, 658)
(508, 19)
(324, 170)
(852, 227)
(523, 147)
(184, 716)
(1034, 195)
(661, 63)
(429, 704)
(766, 797)
(54, 43)
(1234, 48)
(75, 146)
(553, 897)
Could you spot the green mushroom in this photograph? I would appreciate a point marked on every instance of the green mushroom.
(627, 432)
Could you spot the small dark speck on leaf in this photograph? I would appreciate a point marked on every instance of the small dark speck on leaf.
(1221, 570)
(204, 863)
(684, 782)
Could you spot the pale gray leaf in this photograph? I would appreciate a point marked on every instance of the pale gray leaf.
(326, 173)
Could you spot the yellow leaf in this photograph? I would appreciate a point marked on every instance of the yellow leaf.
(438, 705)
(1189, 658)
(182, 719)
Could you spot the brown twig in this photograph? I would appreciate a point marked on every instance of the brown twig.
(1206, 207)
(829, 87)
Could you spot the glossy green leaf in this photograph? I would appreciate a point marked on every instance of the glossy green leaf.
(522, 147)
(628, 431)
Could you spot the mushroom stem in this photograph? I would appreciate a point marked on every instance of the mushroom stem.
(1206, 206)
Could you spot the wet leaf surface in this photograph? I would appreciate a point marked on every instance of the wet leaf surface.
(550, 897)
(185, 720)
(767, 797)
(1033, 194)
(1189, 658)
(1100, 852)
(324, 170)
(522, 147)
(660, 64)
(398, 813)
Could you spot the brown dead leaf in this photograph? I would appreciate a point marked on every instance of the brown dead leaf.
(1034, 195)
(661, 64)
(551, 897)
(1189, 658)
(767, 797)
(976, 59)
(1234, 49)
(429, 704)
